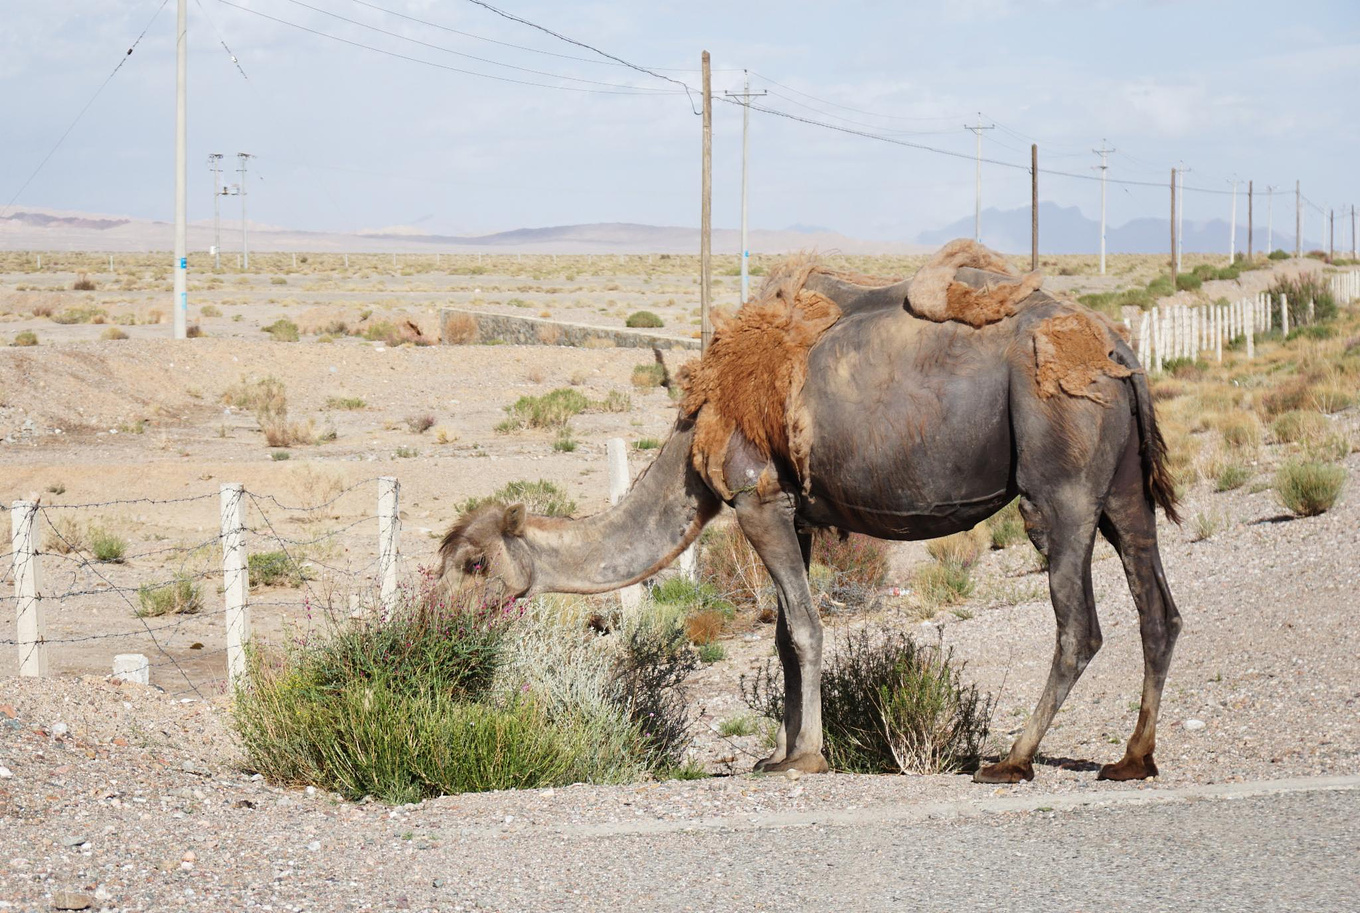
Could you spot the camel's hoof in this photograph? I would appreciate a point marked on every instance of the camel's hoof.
(808, 764)
(1005, 772)
(1129, 769)
(765, 764)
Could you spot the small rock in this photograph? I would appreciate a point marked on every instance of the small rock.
(5, 773)
(186, 866)
(792, 773)
(59, 730)
(314, 846)
(7, 710)
(189, 856)
(70, 900)
(311, 790)
(74, 840)
(547, 793)
(1193, 725)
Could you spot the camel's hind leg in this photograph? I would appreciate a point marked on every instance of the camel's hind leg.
(1063, 528)
(1131, 526)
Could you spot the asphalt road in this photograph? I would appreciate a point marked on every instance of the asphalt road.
(1284, 847)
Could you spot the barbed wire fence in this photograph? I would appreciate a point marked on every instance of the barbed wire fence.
(179, 616)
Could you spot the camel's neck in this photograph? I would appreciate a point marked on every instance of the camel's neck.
(658, 518)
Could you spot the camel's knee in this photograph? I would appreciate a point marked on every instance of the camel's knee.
(1076, 652)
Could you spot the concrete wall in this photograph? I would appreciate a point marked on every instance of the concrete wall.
(459, 327)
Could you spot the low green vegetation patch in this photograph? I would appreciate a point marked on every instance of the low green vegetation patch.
(181, 596)
(647, 376)
(347, 403)
(543, 498)
(25, 338)
(283, 330)
(552, 410)
(106, 545)
(446, 696)
(1006, 526)
(644, 320)
(889, 705)
(1307, 488)
(275, 568)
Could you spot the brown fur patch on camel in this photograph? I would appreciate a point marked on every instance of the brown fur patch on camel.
(1071, 351)
(935, 295)
(751, 378)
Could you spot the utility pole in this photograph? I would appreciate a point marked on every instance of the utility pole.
(745, 95)
(243, 158)
(1251, 220)
(1270, 219)
(1331, 234)
(706, 214)
(1298, 221)
(1232, 226)
(215, 163)
(181, 303)
(977, 211)
(1034, 206)
(1173, 229)
(1104, 167)
(1179, 215)
(1352, 231)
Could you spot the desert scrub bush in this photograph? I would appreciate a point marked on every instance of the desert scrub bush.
(210, 310)
(737, 726)
(564, 442)
(1188, 282)
(647, 376)
(1308, 488)
(25, 338)
(283, 330)
(113, 334)
(646, 443)
(83, 284)
(543, 498)
(106, 545)
(1277, 254)
(616, 401)
(347, 403)
(419, 424)
(1206, 524)
(653, 663)
(729, 565)
(939, 584)
(1296, 424)
(889, 705)
(275, 568)
(849, 569)
(552, 410)
(644, 320)
(1231, 474)
(1301, 289)
(962, 549)
(71, 316)
(1241, 431)
(181, 596)
(1006, 526)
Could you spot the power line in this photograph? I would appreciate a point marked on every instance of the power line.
(72, 125)
(437, 47)
(847, 107)
(620, 90)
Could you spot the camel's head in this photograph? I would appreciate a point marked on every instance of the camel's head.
(485, 549)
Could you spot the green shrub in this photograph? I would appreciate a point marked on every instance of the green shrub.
(79, 315)
(1314, 331)
(106, 545)
(1307, 488)
(552, 410)
(889, 705)
(349, 403)
(1301, 289)
(644, 319)
(25, 338)
(542, 498)
(181, 596)
(274, 569)
(1232, 475)
(1006, 526)
(1296, 424)
(564, 442)
(738, 726)
(856, 566)
(616, 401)
(711, 652)
(1160, 287)
(283, 330)
(1188, 282)
(648, 375)
(210, 310)
(279, 456)
(646, 443)
(1278, 254)
(942, 584)
(113, 334)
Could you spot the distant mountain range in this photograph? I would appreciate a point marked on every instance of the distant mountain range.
(42, 229)
(1064, 230)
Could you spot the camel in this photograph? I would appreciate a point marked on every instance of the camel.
(906, 410)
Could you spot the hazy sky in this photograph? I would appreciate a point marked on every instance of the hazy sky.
(348, 138)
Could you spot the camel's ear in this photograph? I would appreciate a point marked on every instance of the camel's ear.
(513, 524)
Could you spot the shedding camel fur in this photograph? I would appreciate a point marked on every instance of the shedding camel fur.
(751, 378)
(935, 294)
(1070, 352)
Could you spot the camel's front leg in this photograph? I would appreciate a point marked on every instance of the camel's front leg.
(769, 526)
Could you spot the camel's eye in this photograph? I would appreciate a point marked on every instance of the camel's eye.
(474, 565)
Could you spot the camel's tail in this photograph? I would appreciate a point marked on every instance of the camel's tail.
(1157, 481)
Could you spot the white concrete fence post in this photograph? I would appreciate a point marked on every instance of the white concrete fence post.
(235, 579)
(31, 626)
(619, 479)
(1144, 339)
(1250, 332)
(1284, 315)
(389, 532)
(1218, 333)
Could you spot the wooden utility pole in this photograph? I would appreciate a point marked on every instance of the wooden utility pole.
(1250, 222)
(1173, 229)
(706, 216)
(1034, 206)
(1331, 234)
